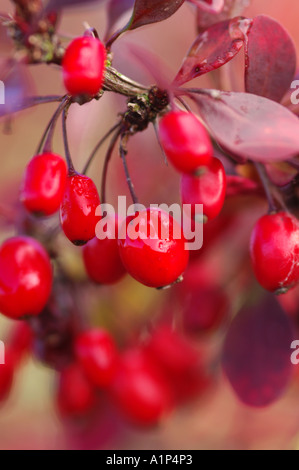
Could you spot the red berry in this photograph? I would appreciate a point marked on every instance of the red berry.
(78, 208)
(157, 257)
(75, 395)
(97, 354)
(185, 141)
(208, 188)
(172, 352)
(84, 66)
(44, 184)
(25, 277)
(101, 257)
(139, 390)
(21, 340)
(204, 309)
(274, 249)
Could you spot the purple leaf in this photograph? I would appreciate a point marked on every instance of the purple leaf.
(152, 11)
(116, 9)
(55, 5)
(270, 59)
(213, 48)
(256, 353)
(250, 126)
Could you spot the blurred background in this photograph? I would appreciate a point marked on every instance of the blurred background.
(216, 419)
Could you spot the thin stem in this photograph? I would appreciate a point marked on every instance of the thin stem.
(159, 142)
(50, 128)
(267, 186)
(123, 154)
(98, 146)
(183, 102)
(106, 164)
(36, 100)
(65, 141)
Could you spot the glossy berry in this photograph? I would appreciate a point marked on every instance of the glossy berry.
(185, 141)
(156, 257)
(78, 209)
(25, 277)
(84, 66)
(274, 249)
(101, 257)
(208, 189)
(96, 352)
(139, 390)
(43, 184)
(75, 395)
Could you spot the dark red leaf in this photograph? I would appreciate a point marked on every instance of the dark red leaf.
(116, 9)
(152, 11)
(250, 126)
(213, 48)
(256, 353)
(55, 5)
(271, 59)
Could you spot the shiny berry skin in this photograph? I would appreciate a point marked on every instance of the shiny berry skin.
(75, 395)
(78, 208)
(155, 259)
(83, 66)
(274, 250)
(208, 188)
(25, 277)
(140, 391)
(43, 184)
(101, 257)
(96, 352)
(185, 141)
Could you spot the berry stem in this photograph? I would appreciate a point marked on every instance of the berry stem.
(267, 186)
(159, 142)
(65, 140)
(46, 146)
(123, 153)
(106, 164)
(36, 100)
(98, 146)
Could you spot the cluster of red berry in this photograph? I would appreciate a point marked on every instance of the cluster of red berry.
(146, 381)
